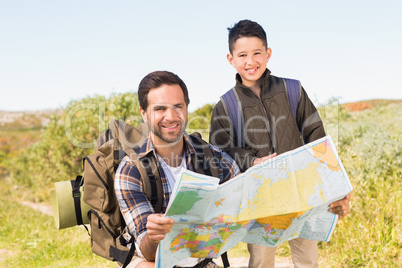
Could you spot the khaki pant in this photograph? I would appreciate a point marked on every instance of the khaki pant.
(136, 260)
(304, 254)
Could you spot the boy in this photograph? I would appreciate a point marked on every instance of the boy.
(268, 126)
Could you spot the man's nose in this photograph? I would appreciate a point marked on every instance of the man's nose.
(170, 113)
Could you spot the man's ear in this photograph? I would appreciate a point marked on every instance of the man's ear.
(230, 59)
(144, 115)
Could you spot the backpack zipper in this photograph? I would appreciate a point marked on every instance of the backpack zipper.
(96, 172)
(102, 223)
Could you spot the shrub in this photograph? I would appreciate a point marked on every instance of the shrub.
(67, 139)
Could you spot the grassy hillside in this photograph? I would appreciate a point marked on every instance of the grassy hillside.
(369, 144)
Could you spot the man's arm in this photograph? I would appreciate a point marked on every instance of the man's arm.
(133, 203)
(222, 135)
(157, 227)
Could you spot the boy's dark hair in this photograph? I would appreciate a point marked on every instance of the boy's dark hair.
(246, 28)
(155, 80)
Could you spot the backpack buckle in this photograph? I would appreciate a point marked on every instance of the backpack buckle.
(76, 194)
(152, 178)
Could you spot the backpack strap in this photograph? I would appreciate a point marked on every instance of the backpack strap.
(203, 165)
(231, 103)
(151, 179)
(225, 259)
(293, 92)
(75, 185)
(130, 253)
(153, 186)
(128, 139)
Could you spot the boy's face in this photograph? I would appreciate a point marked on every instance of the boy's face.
(250, 57)
(166, 114)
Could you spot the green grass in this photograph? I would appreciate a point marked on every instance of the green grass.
(370, 149)
(30, 239)
(369, 144)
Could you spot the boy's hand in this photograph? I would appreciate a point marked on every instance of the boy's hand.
(157, 226)
(341, 207)
(262, 159)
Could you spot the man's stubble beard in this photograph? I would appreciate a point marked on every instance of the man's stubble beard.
(158, 133)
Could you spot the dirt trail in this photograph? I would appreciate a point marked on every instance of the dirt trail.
(242, 262)
(45, 209)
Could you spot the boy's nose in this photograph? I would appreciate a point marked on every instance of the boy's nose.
(249, 60)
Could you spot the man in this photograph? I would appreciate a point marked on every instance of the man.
(164, 100)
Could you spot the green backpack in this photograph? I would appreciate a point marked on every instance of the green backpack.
(105, 219)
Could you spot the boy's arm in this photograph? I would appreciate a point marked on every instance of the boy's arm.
(308, 119)
(222, 135)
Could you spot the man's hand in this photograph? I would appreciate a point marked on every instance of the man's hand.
(262, 159)
(341, 207)
(158, 226)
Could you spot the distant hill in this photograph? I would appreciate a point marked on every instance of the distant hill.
(35, 119)
(26, 119)
(367, 104)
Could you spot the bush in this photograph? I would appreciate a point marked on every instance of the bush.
(67, 139)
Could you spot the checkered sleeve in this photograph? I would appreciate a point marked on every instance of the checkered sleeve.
(133, 202)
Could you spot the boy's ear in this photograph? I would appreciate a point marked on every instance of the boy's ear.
(269, 53)
(230, 59)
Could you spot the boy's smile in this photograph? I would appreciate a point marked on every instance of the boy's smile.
(250, 58)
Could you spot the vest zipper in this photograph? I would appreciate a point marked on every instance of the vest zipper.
(269, 121)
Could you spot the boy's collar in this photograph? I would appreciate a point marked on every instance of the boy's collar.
(265, 79)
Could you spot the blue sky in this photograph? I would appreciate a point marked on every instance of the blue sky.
(52, 52)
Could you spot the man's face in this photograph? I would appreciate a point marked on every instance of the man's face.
(166, 114)
(250, 58)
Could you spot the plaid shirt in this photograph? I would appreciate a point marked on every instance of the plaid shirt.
(133, 202)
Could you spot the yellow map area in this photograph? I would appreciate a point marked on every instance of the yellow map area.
(325, 154)
(285, 196)
(281, 221)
